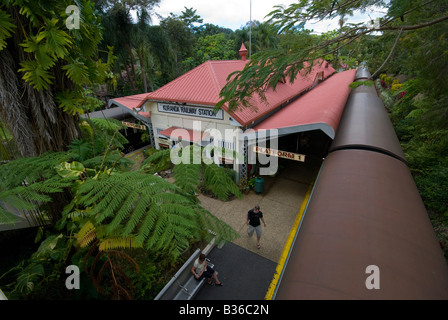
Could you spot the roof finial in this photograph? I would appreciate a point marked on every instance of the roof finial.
(243, 52)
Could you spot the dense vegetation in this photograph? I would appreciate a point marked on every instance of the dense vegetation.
(125, 243)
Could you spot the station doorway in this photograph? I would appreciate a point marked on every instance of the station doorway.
(304, 149)
(313, 144)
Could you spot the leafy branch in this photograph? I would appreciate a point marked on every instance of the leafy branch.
(266, 68)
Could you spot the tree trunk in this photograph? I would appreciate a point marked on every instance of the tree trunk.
(134, 77)
(32, 117)
(142, 65)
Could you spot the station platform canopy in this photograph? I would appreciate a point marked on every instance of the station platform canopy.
(184, 134)
(318, 109)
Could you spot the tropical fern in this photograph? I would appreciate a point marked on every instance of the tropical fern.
(77, 71)
(108, 131)
(187, 176)
(157, 160)
(188, 173)
(30, 170)
(27, 183)
(81, 150)
(137, 209)
(100, 145)
(111, 159)
(118, 243)
(86, 234)
(6, 217)
(67, 100)
(220, 182)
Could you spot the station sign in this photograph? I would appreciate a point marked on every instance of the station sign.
(202, 112)
(134, 125)
(279, 153)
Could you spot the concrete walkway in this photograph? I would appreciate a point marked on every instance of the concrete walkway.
(245, 270)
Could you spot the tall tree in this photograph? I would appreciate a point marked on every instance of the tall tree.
(44, 67)
(122, 33)
(190, 17)
(182, 40)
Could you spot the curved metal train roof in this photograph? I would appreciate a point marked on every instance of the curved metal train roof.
(365, 124)
(362, 73)
(365, 210)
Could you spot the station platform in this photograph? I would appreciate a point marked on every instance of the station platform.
(245, 270)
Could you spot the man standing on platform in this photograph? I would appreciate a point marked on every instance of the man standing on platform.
(253, 221)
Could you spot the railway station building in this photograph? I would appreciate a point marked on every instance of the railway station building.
(297, 121)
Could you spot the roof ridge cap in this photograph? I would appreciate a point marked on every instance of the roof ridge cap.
(215, 78)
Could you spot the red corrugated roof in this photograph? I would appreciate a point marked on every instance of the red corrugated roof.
(202, 85)
(134, 101)
(191, 135)
(320, 108)
(131, 103)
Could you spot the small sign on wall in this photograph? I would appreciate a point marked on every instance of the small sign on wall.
(279, 153)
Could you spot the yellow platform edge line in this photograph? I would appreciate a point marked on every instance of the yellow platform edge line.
(288, 245)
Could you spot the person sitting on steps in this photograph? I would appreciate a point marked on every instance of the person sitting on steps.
(202, 270)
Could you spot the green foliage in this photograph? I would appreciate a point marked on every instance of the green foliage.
(100, 134)
(36, 75)
(48, 45)
(40, 274)
(75, 103)
(188, 176)
(7, 26)
(214, 47)
(44, 65)
(159, 214)
(77, 71)
(110, 209)
(356, 84)
(28, 183)
(191, 170)
(267, 68)
(433, 186)
(418, 118)
(220, 182)
(156, 161)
